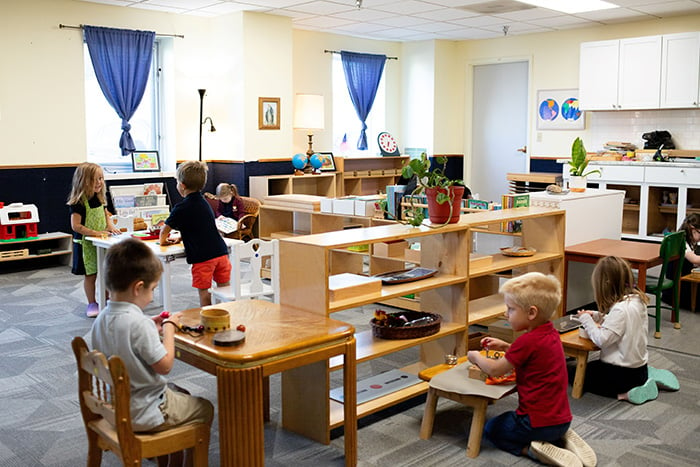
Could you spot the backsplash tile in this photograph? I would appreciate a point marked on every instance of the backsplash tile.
(630, 125)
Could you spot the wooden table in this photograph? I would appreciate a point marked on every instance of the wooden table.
(577, 347)
(278, 339)
(166, 254)
(640, 255)
(693, 279)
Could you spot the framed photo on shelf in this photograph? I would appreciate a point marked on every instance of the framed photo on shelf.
(268, 113)
(328, 162)
(145, 161)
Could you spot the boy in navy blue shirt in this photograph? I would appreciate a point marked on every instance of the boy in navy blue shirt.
(204, 247)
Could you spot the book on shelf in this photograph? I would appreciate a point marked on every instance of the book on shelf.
(509, 201)
(478, 204)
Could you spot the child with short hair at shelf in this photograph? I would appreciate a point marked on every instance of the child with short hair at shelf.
(620, 328)
(89, 217)
(132, 271)
(540, 426)
(205, 249)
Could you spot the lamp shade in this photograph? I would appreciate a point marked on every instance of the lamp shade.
(308, 112)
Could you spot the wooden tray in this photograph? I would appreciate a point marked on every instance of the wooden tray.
(405, 275)
(518, 251)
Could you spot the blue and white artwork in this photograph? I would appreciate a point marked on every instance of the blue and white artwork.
(558, 109)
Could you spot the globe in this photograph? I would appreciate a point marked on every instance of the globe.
(316, 161)
(299, 161)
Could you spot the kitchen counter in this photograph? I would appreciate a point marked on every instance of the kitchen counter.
(675, 163)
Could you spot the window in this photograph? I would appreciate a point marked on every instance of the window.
(345, 120)
(103, 125)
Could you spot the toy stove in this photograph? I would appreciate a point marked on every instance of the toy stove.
(18, 221)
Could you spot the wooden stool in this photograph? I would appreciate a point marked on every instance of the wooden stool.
(693, 279)
(453, 382)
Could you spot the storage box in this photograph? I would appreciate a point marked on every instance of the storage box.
(412, 256)
(476, 373)
(501, 329)
(367, 205)
(390, 249)
(346, 285)
(344, 206)
(327, 205)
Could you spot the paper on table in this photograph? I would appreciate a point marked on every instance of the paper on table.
(226, 224)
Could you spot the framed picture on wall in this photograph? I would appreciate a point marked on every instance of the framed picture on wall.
(268, 113)
(558, 109)
(145, 161)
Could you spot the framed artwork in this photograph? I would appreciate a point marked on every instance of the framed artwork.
(557, 109)
(145, 161)
(268, 113)
(328, 162)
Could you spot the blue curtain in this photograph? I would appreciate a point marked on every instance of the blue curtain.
(122, 62)
(362, 75)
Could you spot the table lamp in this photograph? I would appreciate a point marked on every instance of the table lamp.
(308, 115)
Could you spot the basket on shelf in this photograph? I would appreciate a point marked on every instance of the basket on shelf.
(429, 324)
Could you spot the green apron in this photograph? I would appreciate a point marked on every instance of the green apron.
(95, 219)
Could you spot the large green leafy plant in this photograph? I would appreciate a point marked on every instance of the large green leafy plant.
(579, 161)
(425, 178)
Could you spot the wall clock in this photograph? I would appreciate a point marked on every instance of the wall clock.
(387, 144)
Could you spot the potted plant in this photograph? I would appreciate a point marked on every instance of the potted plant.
(578, 163)
(444, 195)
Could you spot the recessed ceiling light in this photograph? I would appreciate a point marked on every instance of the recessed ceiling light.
(572, 6)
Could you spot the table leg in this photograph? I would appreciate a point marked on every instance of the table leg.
(693, 295)
(350, 404)
(580, 376)
(165, 287)
(101, 287)
(241, 431)
(564, 286)
(642, 276)
(477, 429)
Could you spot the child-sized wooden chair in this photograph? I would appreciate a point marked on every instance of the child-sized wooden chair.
(104, 394)
(672, 252)
(257, 253)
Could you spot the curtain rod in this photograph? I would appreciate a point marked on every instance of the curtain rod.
(65, 26)
(337, 52)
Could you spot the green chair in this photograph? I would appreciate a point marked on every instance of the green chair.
(672, 253)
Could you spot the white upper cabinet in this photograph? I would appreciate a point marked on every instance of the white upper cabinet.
(598, 75)
(639, 80)
(680, 70)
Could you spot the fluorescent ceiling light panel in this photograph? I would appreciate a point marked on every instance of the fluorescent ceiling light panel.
(572, 6)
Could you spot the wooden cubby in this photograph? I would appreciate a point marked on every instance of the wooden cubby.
(54, 245)
(323, 184)
(306, 262)
(368, 175)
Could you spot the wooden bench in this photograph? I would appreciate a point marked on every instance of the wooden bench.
(457, 386)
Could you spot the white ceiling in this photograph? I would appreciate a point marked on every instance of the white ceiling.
(413, 20)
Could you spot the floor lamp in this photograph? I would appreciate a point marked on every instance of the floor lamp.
(203, 120)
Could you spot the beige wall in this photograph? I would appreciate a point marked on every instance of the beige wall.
(243, 56)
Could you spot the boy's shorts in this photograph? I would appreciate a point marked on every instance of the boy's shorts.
(218, 269)
(179, 408)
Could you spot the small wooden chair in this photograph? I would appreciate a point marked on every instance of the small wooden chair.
(672, 251)
(104, 394)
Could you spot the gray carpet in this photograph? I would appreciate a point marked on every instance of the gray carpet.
(40, 425)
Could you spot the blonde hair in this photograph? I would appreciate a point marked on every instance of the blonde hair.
(534, 289)
(612, 281)
(83, 185)
(192, 174)
(226, 189)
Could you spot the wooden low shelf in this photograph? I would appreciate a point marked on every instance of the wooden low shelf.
(59, 243)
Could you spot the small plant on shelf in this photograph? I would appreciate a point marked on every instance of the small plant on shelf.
(578, 164)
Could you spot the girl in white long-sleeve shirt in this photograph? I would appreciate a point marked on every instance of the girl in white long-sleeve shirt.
(620, 328)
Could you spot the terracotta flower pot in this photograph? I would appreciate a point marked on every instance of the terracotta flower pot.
(440, 213)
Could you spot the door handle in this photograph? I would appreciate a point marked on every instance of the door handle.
(523, 149)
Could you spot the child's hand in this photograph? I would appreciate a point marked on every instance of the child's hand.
(472, 355)
(491, 343)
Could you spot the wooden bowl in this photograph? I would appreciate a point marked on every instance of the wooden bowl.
(215, 319)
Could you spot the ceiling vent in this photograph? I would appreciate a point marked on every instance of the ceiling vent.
(496, 7)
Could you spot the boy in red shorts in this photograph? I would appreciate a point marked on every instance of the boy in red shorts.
(204, 247)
